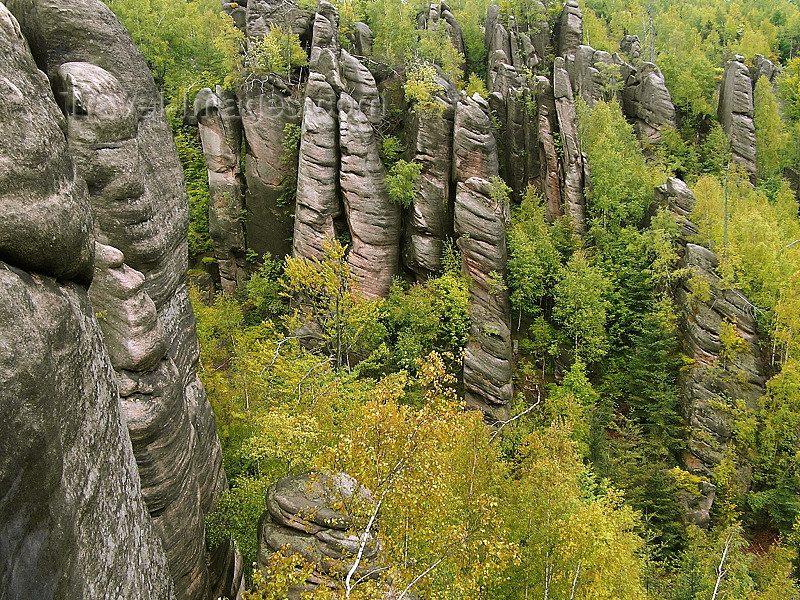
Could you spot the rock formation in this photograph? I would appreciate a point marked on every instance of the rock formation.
(735, 113)
(710, 317)
(221, 134)
(550, 173)
(439, 14)
(569, 32)
(647, 103)
(480, 223)
(374, 221)
(511, 54)
(72, 517)
(763, 67)
(122, 148)
(429, 218)
(267, 105)
(575, 165)
(304, 516)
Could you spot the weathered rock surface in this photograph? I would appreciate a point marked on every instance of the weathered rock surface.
(221, 134)
(374, 221)
(72, 517)
(647, 102)
(480, 223)
(429, 218)
(132, 332)
(763, 67)
(37, 176)
(123, 147)
(511, 54)
(735, 113)
(594, 74)
(439, 15)
(303, 516)
(266, 109)
(574, 162)
(550, 174)
(717, 374)
(569, 32)
(631, 47)
(318, 203)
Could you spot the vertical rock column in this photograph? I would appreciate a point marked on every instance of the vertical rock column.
(575, 166)
(716, 374)
(339, 122)
(480, 223)
(318, 203)
(374, 220)
(73, 522)
(221, 134)
(429, 219)
(550, 177)
(268, 104)
(735, 113)
(511, 53)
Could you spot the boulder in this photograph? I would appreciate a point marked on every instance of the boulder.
(310, 515)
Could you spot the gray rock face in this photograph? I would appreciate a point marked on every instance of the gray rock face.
(318, 203)
(735, 113)
(647, 102)
(302, 516)
(362, 39)
(429, 219)
(676, 196)
(261, 14)
(550, 176)
(573, 161)
(717, 373)
(480, 223)
(594, 74)
(266, 109)
(439, 15)
(132, 332)
(570, 29)
(72, 517)
(763, 67)
(123, 147)
(631, 47)
(511, 53)
(59, 241)
(374, 221)
(221, 134)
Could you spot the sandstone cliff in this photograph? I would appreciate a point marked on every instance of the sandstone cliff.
(719, 337)
(121, 146)
(73, 519)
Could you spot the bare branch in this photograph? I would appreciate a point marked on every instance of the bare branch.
(517, 416)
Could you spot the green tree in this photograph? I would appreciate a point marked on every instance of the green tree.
(772, 141)
(277, 52)
(324, 300)
(189, 44)
(580, 307)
